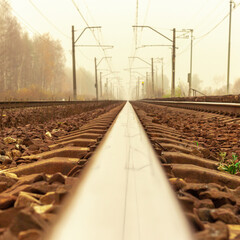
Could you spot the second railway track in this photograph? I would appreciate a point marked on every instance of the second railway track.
(214, 107)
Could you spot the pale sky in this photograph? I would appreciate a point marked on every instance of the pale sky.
(117, 17)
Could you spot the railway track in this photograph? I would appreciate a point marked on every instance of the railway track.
(30, 104)
(120, 196)
(214, 107)
(189, 145)
(32, 191)
(119, 191)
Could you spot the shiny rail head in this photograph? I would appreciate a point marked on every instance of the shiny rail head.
(123, 193)
(215, 107)
(194, 103)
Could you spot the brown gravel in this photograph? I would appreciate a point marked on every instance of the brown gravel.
(36, 129)
(217, 133)
(210, 198)
(29, 204)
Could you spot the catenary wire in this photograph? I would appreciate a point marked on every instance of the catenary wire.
(47, 19)
(80, 13)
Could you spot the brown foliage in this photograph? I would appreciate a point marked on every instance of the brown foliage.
(26, 62)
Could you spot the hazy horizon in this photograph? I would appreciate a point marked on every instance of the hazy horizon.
(116, 19)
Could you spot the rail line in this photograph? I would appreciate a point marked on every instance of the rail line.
(111, 172)
(29, 104)
(194, 148)
(215, 107)
(123, 193)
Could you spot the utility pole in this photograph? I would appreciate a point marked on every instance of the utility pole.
(147, 87)
(156, 82)
(152, 78)
(173, 41)
(73, 54)
(101, 84)
(107, 89)
(173, 62)
(96, 76)
(112, 91)
(136, 40)
(96, 80)
(138, 87)
(136, 90)
(191, 58)
(162, 79)
(229, 45)
(74, 67)
(189, 77)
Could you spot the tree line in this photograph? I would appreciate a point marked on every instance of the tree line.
(28, 62)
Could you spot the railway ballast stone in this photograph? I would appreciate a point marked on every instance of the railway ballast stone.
(224, 215)
(25, 200)
(219, 198)
(27, 219)
(57, 177)
(214, 231)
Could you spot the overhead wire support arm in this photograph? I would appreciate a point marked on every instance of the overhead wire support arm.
(173, 41)
(96, 73)
(134, 26)
(73, 54)
(152, 71)
(156, 45)
(85, 30)
(142, 60)
(102, 59)
(104, 46)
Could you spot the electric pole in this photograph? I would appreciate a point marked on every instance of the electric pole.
(96, 80)
(162, 79)
(112, 91)
(152, 78)
(96, 76)
(229, 45)
(191, 57)
(136, 90)
(74, 67)
(173, 41)
(147, 87)
(100, 84)
(73, 54)
(173, 63)
(138, 87)
(107, 89)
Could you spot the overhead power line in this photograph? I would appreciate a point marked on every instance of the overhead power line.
(99, 43)
(210, 14)
(89, 12)
(147, 11)
(76, 6)
(218, 24)
(207, 33)
(204, 35)
(136, 33)
(47, 19)
(145, 19)
(31, 28)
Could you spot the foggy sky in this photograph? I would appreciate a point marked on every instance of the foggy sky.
(117, 17)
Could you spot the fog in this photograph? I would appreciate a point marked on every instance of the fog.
(53, 20)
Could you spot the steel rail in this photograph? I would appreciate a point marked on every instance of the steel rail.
(216, 107)
(123, 194)
(26, 104)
